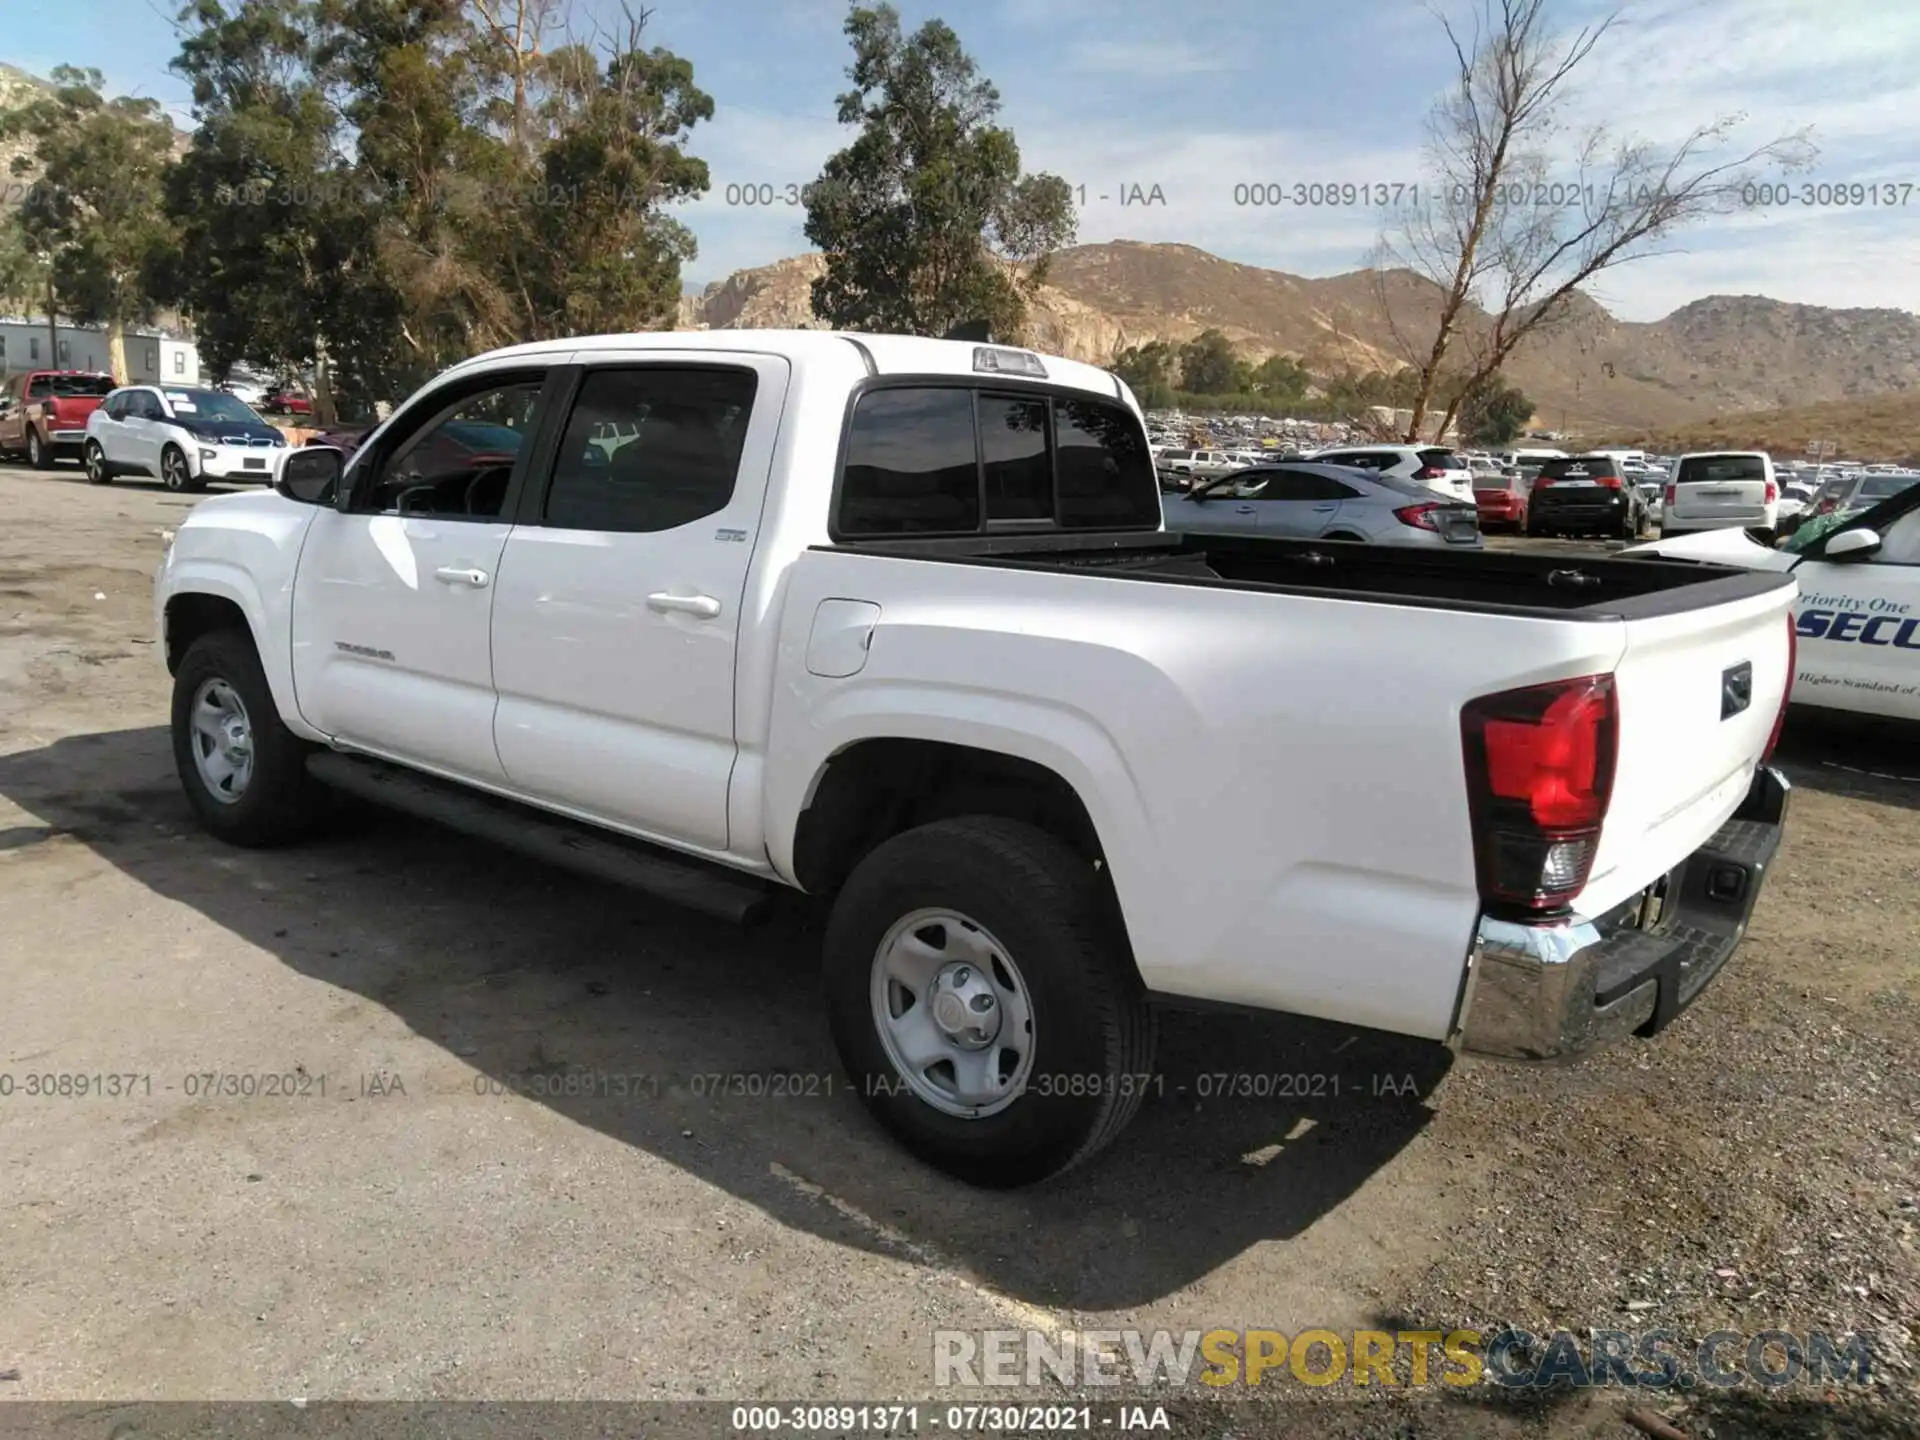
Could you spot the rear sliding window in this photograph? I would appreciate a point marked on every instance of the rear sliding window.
(950, 459)
(1581, 467)
(1720, 468)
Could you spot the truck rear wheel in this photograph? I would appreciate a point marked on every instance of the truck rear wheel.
(244, 772)
(39, 452)
(983, 1002)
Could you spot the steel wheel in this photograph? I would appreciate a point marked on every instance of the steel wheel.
(173, 469)
(36, 454)
(952, 1013)
(222, 741)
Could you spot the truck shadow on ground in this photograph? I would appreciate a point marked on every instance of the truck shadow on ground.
(1854, 755)
(1255, 1127)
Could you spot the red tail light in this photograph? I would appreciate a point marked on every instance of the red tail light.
(1612, 482)
(1793, 667)
(1542, 481)
(1429, 472)
(1421, 517)
(1540, 766)
(1773, 492)
(1672, 490)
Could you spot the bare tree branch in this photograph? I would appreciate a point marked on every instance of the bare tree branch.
(1522, 215)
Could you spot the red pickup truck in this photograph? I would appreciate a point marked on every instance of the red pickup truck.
(43, 413)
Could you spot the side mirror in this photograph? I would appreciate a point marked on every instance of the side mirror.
(310, 473)
(1851, 545)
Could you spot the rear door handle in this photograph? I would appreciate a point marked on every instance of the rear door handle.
(1323, 509)
(456, 575)
(1245, 509)
(703, 607)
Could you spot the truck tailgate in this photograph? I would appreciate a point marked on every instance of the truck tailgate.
(1699, 692)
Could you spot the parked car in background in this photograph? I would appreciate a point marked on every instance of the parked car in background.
(43, 413)
(1863, 489)
(1436, 466)
(285, 400)
(1857, 613)
(1796, 500)
(1722, 490)
(1312, 501)
(183, 437)
(343, 437)
(1585, 495)
(247, 392)
(1501, 499)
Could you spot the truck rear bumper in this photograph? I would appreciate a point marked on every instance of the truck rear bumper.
(1555, 989)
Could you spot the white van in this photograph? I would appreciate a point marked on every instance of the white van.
(1722, 490)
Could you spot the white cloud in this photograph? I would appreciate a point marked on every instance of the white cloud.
(1148, 59)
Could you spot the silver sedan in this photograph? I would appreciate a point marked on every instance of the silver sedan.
(1307, 501)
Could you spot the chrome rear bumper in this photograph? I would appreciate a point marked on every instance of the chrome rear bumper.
(1554, 989)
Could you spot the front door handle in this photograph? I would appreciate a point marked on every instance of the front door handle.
(1323, 509)
(457, 575)
(1244, 509)
(703, 607)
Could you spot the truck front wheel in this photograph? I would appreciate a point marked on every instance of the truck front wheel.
(983, 1002)
(244, 772)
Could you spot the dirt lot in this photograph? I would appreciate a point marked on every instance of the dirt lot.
(428, 1229)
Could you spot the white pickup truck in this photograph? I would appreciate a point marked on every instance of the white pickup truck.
(892, 622)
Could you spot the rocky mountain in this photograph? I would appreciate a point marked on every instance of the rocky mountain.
(17, 87)
(1725, 353)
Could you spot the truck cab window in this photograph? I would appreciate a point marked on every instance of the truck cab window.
(650, 449)
(912, 466)
(1104, 473)
(458, 466)
(1013, 445)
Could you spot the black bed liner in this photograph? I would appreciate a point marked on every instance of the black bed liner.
(1480, 581)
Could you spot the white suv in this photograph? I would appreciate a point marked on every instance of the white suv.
(183, 436)
(1435, 466)
(1722, 490)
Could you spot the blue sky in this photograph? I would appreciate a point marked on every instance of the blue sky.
(1205, 95)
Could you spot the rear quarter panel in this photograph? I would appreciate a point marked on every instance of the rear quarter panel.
(1276, 780)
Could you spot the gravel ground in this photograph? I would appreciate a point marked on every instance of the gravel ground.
(428, 1230)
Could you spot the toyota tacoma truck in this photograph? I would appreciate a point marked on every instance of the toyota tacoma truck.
(893, 623)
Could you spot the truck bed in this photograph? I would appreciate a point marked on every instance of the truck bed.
(1481, 581)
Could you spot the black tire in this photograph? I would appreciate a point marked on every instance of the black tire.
(95, 460)
(39, 453)
(175, 473)
(1053, 914)
(281, 802)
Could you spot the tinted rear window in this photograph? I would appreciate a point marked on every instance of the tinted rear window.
(1105, 476)
(1442, 459)
(1720, 468)
(915, 465)
(911, 464)
(1581, 467)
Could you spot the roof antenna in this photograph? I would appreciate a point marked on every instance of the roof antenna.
(978, 331)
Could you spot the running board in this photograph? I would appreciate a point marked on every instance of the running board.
(740, 899)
